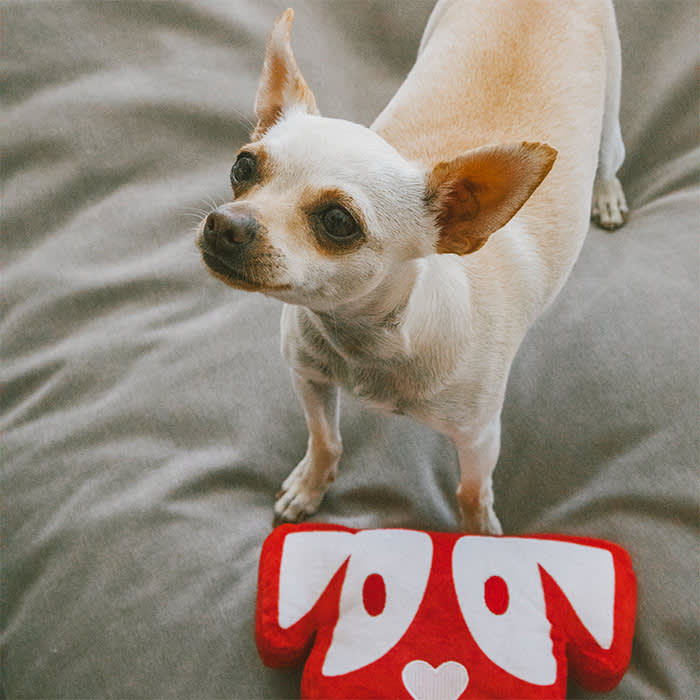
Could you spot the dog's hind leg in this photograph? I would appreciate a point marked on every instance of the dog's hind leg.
(609, 208)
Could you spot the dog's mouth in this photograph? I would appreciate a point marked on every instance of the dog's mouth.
(232, 275)
(218, 266)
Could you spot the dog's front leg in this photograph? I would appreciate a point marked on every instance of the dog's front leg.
(304, 488)
(478, 455)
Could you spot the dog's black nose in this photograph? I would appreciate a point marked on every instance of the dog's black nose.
(230, 229)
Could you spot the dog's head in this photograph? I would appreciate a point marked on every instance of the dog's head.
(325, 209)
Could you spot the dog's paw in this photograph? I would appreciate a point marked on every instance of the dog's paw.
(301, 494)
(609, 209)
(481, 521)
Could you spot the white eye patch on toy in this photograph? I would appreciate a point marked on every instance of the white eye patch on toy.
(434, 616)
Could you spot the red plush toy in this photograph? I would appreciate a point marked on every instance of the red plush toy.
(434, 616)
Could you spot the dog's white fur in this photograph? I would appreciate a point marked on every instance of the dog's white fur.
(415, 331)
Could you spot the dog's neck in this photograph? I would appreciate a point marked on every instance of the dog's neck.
(370, 327)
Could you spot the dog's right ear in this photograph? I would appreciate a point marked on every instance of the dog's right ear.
(281, 84)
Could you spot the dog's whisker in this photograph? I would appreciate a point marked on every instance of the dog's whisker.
(195, 211)
(198, 213)
(244, 118)
(212, 203)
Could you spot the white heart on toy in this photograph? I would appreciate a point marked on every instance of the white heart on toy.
(446, 682)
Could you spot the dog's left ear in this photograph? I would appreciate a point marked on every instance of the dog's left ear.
(477, 193)
(281, 83)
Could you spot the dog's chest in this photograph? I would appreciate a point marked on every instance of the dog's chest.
(395, 384)
(396, 387)
(375, 365)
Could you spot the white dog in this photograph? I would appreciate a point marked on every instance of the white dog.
(414, 255)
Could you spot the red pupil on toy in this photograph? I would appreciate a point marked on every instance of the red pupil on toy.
(496, 595)
(374, 594)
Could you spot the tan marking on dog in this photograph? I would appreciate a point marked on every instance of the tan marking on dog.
(281, 82)
(312, 200)
(259, 270)
(476, 194)
(263, 175)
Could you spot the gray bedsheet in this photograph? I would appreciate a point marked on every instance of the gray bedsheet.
(147, 419)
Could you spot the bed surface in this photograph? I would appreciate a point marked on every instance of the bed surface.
(147, 418)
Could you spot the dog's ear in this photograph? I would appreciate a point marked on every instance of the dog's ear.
(281, 83)
(477, 193)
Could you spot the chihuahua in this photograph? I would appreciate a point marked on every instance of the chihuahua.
(412, 256)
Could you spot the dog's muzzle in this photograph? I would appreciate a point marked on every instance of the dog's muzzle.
(226, 237)
(227, 231)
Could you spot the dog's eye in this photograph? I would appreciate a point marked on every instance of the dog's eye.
(244, 168)
(338, 222)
